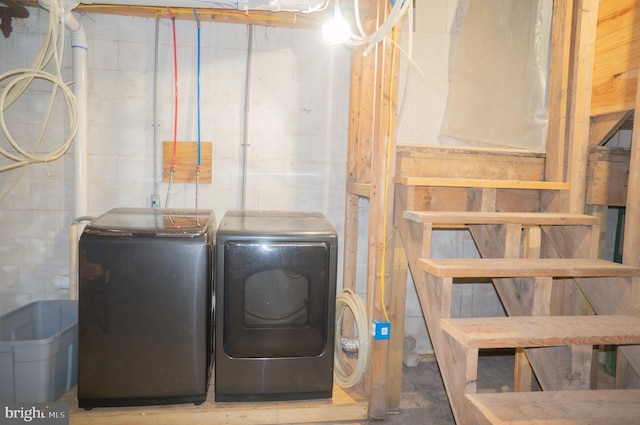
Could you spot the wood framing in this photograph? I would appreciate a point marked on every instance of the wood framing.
(593, 89)
(344, 406)
(580, 105)
(592, 176)
(370, 169)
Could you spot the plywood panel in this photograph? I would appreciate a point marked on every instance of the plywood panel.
(617, 56)
(187, 161)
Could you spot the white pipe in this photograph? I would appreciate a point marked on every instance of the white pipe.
(80, 68)
(79, 56)
(304, 6)
(79, 59)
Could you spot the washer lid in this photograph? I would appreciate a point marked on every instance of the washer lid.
(152, 222)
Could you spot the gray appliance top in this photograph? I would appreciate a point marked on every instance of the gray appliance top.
(281, 223)
(152, 222)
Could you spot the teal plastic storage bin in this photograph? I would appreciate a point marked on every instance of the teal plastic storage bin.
(39, 351)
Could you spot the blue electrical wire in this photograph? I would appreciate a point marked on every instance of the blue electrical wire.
(198, 107)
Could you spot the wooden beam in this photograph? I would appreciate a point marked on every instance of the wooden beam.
(630, 249)
(343, 406)
(358, 150)
(384, 63)
(603, 127)
(398, 310)
(586, 25)
(470, 163)
(481, 183)
(559, 83)
(313, 20)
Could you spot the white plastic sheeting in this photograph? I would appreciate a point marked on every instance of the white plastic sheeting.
(498, 93)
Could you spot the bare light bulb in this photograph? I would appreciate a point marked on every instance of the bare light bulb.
(336, 31)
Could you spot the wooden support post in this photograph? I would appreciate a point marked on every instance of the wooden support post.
(398, 312)
(631, 244)
(629, 374)
(579, 124)
(350, 255)
(559, 83)
(523, 373)
(366, 178)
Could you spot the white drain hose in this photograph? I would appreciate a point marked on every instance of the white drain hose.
(51, 50)
(345, 375)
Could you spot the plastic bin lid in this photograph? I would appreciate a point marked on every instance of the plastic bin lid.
(152, 222)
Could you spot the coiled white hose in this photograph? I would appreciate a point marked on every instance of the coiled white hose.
(343, 373)
(20, 79)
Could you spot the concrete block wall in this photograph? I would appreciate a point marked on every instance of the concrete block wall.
(297, 132)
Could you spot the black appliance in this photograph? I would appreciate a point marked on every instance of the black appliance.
(145, 322)
(275, 306)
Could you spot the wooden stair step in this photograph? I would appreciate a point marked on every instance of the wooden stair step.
(590, 407)
(463, 218)
(480, 183)
(543, 331)
(525, 267)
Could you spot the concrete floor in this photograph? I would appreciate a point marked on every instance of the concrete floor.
(424, 400)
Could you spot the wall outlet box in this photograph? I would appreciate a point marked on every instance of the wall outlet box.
(380, 329)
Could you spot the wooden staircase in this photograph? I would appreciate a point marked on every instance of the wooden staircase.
(561, 302)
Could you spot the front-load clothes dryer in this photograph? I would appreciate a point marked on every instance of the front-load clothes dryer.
(275, 306)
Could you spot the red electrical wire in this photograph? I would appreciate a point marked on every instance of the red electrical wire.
(175, 106)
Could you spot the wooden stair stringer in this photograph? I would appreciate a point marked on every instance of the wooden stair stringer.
(617, 295)
(612, 295)
(496, 241)
(570, 242)
(434, 297)
(435, 302)
(554, 367)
